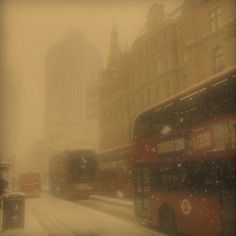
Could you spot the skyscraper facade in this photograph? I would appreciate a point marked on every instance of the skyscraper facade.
(71, 65)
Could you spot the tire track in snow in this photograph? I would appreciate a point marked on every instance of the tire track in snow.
(51, 224)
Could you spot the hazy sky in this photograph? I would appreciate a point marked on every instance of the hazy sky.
(31, 27)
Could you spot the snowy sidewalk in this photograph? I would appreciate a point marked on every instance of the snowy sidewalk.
(32, 226)
(65, 218)
(49, 215)
(114, 201)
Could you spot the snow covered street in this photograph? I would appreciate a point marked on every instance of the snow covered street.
(51, 216)
(112, 206)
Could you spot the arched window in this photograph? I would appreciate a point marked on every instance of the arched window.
(218, 64)
(215, 18)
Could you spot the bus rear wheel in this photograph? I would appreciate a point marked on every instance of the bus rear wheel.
(167, 221)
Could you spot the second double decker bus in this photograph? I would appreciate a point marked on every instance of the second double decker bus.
(114, 175)
(184, 151)
(72, 173)
(30, 183)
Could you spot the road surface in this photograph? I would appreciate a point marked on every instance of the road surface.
(52, 216)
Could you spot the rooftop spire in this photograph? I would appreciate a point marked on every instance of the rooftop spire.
(115, 47)
(126, 48)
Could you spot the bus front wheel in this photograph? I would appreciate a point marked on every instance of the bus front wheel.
(167, 221)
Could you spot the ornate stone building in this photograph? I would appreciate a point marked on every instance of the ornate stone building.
(172, 53)
(178, 50)
(154, 61)
(206, 37)
(92, 113)
(114, 108)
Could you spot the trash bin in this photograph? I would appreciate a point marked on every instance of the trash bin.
(13, 215)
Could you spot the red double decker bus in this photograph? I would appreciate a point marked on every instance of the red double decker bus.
(30, 183)
(114, 175)
(184, 150)
(72, 173)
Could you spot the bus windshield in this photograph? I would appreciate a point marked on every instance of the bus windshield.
(82, 165)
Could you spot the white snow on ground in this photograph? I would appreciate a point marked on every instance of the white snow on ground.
(121, 202)
(64, 218)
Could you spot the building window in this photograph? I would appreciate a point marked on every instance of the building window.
(148, 96)
(183, 58)
(166, 62)
(215, 19)
(174, 86)
(133, 105)
(182, 82)
(218, 64)
(157, 92)
(181, 34)
(149, 70)
(141, 101)
(168, 88)
(133, 78)
(158, 67)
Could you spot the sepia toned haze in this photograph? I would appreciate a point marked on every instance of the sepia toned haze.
(117, 117)
(31, 27)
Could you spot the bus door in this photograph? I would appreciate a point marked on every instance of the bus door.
(228, 196)
(138, 188)
(143, 193)
(228, 209)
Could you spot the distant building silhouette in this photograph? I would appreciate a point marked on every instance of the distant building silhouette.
(71, 65)
(115, 50)
(9, 119)
(114, 106)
